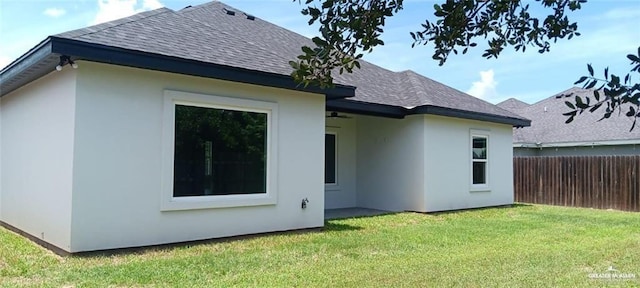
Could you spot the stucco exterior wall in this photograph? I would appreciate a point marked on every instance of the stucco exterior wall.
(118, 170)
(343, 193)
(37, 127)
(601, 150)
(390, 163)
(448, 164)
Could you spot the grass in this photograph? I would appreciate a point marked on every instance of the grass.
(521, 246)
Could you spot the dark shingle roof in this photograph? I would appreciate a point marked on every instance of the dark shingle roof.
(512, 105)
(207, 33)
(548, 123)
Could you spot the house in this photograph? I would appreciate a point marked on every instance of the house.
(549, 135)
(185, 125)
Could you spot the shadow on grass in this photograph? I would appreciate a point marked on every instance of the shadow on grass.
(331, 226)
(511, 206)
(170, 246)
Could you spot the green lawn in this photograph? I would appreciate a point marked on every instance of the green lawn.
(522, 246)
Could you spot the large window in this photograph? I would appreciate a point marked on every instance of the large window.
(330, 158)
(479, 152)
(218, 152)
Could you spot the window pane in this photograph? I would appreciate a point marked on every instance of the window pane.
(329, 159)
(219, 152)
(479, 148)
(479, 173)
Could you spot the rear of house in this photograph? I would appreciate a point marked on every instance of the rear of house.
(149, 143)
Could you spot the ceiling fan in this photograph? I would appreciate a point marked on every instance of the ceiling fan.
(336, 115)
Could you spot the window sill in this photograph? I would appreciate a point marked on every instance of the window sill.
(211, 202)
(332, 187)
(480, 188)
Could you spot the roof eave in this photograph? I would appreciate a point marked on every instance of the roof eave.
(35, 63)
(366, 108)
(389, 111)
(80, 50)
(450, 112)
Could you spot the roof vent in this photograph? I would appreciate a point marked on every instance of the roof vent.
(250, 17)
(229, 12)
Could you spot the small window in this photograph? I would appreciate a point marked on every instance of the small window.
(479, 159)
(219, 151)
(330, 158)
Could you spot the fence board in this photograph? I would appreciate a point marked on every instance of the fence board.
(603, 182)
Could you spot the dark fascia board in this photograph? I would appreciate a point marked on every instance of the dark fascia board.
(373, 109)
(365, 108)
(33, 56)
(442, 111)
(80, 50)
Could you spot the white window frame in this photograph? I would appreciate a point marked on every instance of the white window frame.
(173, 98)
(486, 135)
(335, 185)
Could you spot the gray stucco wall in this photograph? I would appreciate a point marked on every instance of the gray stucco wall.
(632, 149)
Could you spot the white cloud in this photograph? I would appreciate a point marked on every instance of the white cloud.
(115, 9)
(54, 12)
(485, 88)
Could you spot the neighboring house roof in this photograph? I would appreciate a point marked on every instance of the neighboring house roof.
(548, 128)
(512, 104)
(206, 40)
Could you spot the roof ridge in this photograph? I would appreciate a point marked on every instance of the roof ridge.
(564, 92)
(210, 3)
(114, 23)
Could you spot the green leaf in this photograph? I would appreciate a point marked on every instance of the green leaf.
(634, 58)
(580, 80)
(307, 50)
(595, 107)
(615, 80)
(590, 69)
(569, 104)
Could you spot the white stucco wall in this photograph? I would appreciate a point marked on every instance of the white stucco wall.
(118, 150)
(390, 163)
(37, 126)
(448, 164)
(343, 194)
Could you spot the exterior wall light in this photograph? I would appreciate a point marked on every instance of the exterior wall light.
(64, 60)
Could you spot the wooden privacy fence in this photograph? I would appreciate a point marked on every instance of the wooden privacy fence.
(604, 182)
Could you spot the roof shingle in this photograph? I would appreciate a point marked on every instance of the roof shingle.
(207, 33)
(548, 124)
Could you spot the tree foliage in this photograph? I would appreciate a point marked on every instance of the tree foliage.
(615, 94)
(349, 28)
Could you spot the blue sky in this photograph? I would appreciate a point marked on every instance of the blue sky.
(610, 30)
